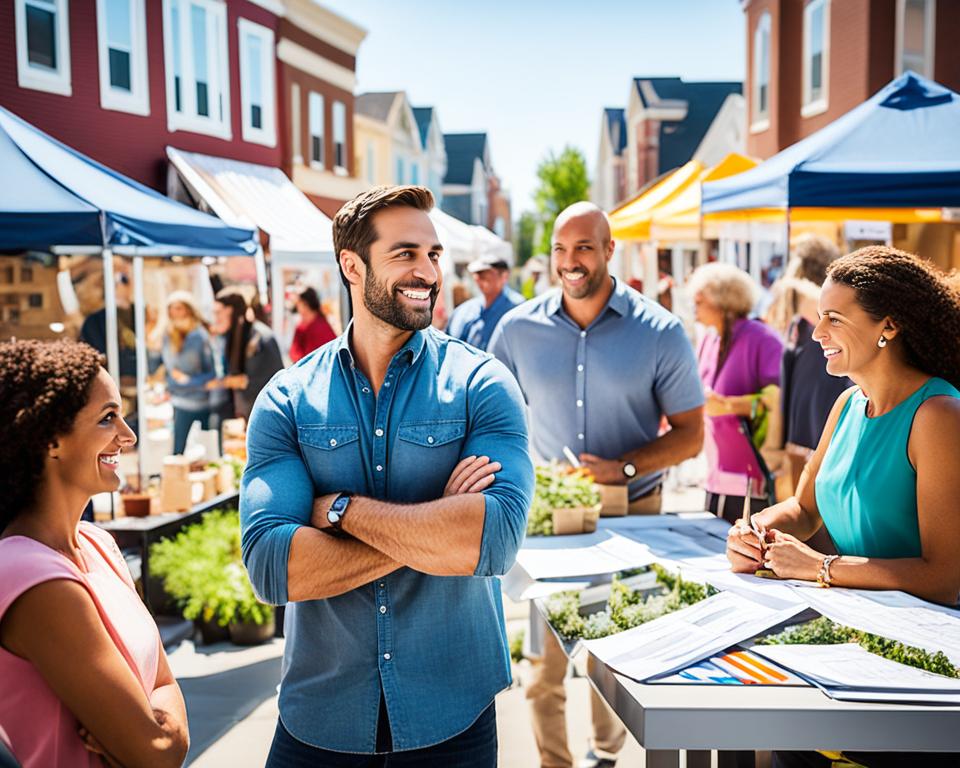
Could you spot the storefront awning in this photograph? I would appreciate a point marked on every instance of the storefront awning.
(256, 195)
(632, 220)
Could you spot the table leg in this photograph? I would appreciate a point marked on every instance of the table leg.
(740, 759)
(662, 758)
(698, 758)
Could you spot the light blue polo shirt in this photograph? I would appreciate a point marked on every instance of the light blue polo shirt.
(602, 389)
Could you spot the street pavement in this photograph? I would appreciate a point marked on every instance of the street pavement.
(232, 699)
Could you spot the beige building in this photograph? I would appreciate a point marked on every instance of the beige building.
(389, 147)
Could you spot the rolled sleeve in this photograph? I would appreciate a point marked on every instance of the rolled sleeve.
(498, 429)
(678, 387)
(276, 494)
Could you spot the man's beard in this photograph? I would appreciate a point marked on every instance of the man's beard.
(594, 282)
(386, 305)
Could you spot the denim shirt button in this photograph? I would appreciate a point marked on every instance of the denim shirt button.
(430, 439)
(379, 433)
(386, 656)
(333, 443)
(383, 609)
(366, 390)
(386, 383)
(379, 467)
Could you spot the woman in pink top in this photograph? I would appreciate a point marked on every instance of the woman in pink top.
(737, 357)
(85, 678)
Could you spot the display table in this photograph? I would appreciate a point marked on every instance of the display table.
(138, 533)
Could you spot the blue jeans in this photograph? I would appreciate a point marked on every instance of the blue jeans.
(182, 421)
(476, 747)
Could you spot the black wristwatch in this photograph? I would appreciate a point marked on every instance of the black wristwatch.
(337, 510)
(629, 470)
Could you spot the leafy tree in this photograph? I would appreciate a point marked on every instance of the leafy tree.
(525, 232)
(563, 182)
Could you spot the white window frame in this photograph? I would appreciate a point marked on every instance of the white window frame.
(313, 97)
(39, 78)
(267, 133)
(761, 120)
(811, 107)
(339, 128)
(189, 120)
(929, 38)
(137, 100)
(295, 124)
(371, 161)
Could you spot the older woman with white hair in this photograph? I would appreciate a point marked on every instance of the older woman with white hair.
(738, 358)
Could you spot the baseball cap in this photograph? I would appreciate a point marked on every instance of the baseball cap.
(487, 261)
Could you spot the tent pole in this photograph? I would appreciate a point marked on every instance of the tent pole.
(110, 311)
(261, 264)
(140, 325)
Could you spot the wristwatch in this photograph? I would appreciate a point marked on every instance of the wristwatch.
(337, 510)
(629, 470)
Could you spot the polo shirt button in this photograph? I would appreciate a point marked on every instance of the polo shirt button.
(583, 334)
(430, 439)
(333, 443)
(579, 403)
(580, 436)
(386, 656)
(379, 433)
(379, 467)
(580, 367)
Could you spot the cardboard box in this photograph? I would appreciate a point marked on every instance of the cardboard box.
(207, 479)
(574, 520)
(614, 500)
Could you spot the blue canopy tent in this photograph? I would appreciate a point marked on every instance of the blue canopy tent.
(54, 198)
(900, 149)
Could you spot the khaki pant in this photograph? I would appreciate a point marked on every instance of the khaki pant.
(548, 700)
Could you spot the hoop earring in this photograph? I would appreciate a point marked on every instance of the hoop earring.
(882, 342)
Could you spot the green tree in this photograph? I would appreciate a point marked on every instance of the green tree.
(563, 182)
(524, 232)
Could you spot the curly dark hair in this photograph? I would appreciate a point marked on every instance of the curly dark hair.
(43, 385)
(919, 299)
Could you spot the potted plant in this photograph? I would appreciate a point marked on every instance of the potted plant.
(565, 500)
(202, 570)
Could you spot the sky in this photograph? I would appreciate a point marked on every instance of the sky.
(536, 74)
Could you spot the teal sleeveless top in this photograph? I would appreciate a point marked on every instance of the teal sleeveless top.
(866, 488)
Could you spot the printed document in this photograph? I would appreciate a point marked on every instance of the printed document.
(589, 554)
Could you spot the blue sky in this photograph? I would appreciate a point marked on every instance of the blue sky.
(536, 74)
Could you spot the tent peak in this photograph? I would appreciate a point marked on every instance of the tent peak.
(915, 92)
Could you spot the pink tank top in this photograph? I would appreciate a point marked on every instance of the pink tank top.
(39, 728)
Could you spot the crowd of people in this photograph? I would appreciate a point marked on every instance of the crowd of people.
(390, 474)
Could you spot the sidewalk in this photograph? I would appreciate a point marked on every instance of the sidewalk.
(232, 699)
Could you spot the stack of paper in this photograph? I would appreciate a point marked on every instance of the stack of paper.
(893, 615)
(697, 632)
(590, 554)
(850, 673)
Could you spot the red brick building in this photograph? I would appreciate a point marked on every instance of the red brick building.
(811, 61)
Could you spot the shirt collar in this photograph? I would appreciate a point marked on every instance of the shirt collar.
(409, 352)
(619, 302)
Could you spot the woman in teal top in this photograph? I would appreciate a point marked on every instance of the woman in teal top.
(884, 477)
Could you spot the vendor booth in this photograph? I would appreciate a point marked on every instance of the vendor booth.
(895, 158)
(60, 205)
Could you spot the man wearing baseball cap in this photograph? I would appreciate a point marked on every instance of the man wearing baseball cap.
(474, 320)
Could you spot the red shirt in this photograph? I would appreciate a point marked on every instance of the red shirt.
(310, 336)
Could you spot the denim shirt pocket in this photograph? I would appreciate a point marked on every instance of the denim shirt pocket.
(428, 450)
(332, 456)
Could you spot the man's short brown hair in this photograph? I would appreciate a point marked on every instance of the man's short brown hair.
(353, 225)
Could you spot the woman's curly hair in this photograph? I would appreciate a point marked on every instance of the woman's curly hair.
(919, 299)
(43, 386)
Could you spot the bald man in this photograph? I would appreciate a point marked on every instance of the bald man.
(599, 365)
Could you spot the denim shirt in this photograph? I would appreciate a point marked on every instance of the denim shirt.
(436, 646)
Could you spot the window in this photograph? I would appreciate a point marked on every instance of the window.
(26, 274)
(35, 300)
(43, 45)
(400, 170)
(122, 52)
(257, 83)
(195, 57)
(916, 21)
(414, 173)
(371, 162)
(339, 136)
(6, 276)
(316, 130)
(816, 56)
(761, 74)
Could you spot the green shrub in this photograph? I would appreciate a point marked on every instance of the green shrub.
(558, 487)
(202, 570)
